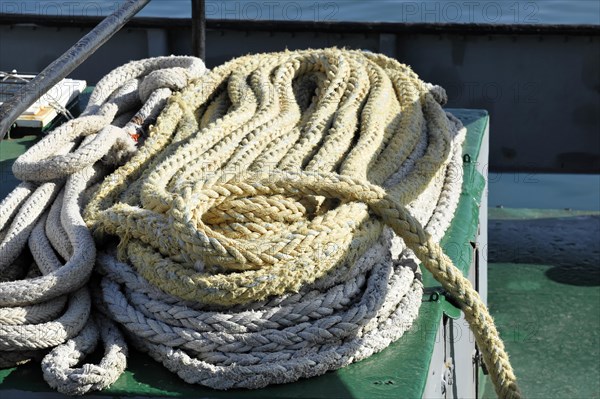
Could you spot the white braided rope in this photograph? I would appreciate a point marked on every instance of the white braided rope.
(51, 307)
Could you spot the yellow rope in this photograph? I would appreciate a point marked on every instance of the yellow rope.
(267, 173)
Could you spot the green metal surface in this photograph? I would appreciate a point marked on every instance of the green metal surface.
(10, 149)
(544, 293)
(398, 371)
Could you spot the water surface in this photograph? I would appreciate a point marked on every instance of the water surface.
(461, 11)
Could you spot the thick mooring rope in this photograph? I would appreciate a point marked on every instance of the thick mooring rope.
(45, 303)
(269, 226)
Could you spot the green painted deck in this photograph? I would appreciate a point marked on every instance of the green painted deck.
(10, 149)
(544, 293)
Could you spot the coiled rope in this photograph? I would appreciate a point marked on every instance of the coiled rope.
(47, 253)
(269, 227)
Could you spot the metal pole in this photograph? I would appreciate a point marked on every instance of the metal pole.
(66, 63)
(199, 29)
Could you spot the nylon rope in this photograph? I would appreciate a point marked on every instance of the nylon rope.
(267, 228)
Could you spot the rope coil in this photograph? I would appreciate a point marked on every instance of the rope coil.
(47, 253)
(270, 225)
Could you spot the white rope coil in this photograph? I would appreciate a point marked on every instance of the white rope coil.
(50, 306)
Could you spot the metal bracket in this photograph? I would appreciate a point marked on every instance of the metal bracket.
(478, 361)
(439, 295)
